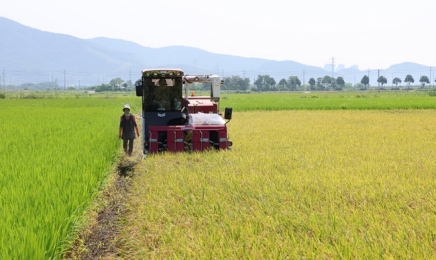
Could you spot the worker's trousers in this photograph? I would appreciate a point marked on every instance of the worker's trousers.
(129, 143)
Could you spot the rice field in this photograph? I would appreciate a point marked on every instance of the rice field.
(296, 185)
(321, 177)
(55, 154)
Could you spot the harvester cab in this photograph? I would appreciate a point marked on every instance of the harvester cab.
(173, 122)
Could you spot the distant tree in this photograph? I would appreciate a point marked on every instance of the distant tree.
(244, 84)
(103, 87)
(340, 81)
(423, 80)
(365, 81)
(226, 83)
(312, 82)
(270, 81)
(359, 85)
(333, 84)
(129, 83)
(409, 79)
(199, 86)
(116, 83)
(283, 83)
(348, 85)
(41, 86)
(233, 83)
(293, 82)
(319, 83)
(326, 81)
(382, 80)
(265, 83)
(396, 81)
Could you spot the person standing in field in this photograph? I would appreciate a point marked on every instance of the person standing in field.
(127, 130)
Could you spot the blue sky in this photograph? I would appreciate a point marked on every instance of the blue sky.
(368, 33)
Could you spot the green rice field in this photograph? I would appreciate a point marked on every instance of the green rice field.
(330, 101)
(55, 154)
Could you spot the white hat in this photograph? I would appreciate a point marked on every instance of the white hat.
(126, 106)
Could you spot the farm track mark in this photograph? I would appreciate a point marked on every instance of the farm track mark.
(100, 243)
(98, 239)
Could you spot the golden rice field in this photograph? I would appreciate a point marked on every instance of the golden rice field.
(296, 185)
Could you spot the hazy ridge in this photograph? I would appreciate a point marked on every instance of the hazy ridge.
(32, 55)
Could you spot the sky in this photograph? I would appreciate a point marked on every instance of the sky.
(373, 34)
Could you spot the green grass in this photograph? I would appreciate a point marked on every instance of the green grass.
(273, 101)
(54, 156)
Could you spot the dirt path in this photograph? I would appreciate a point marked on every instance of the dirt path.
(97, 240)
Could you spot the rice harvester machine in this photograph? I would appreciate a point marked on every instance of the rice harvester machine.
(175, 122)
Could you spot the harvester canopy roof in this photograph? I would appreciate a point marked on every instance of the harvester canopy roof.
(162, 72)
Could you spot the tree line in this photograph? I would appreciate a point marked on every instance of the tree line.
(293, 83)
(261, 83)
(116, 84)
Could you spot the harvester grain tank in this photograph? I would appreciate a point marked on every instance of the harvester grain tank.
(173, 122)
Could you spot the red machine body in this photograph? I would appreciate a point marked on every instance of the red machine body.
(173, 123)
(202, 104)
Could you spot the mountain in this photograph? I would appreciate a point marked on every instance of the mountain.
(32, 55)
(28, 54)
(194, 60)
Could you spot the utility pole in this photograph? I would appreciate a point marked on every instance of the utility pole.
(430, 78)
(65, 81)
(304, 72)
